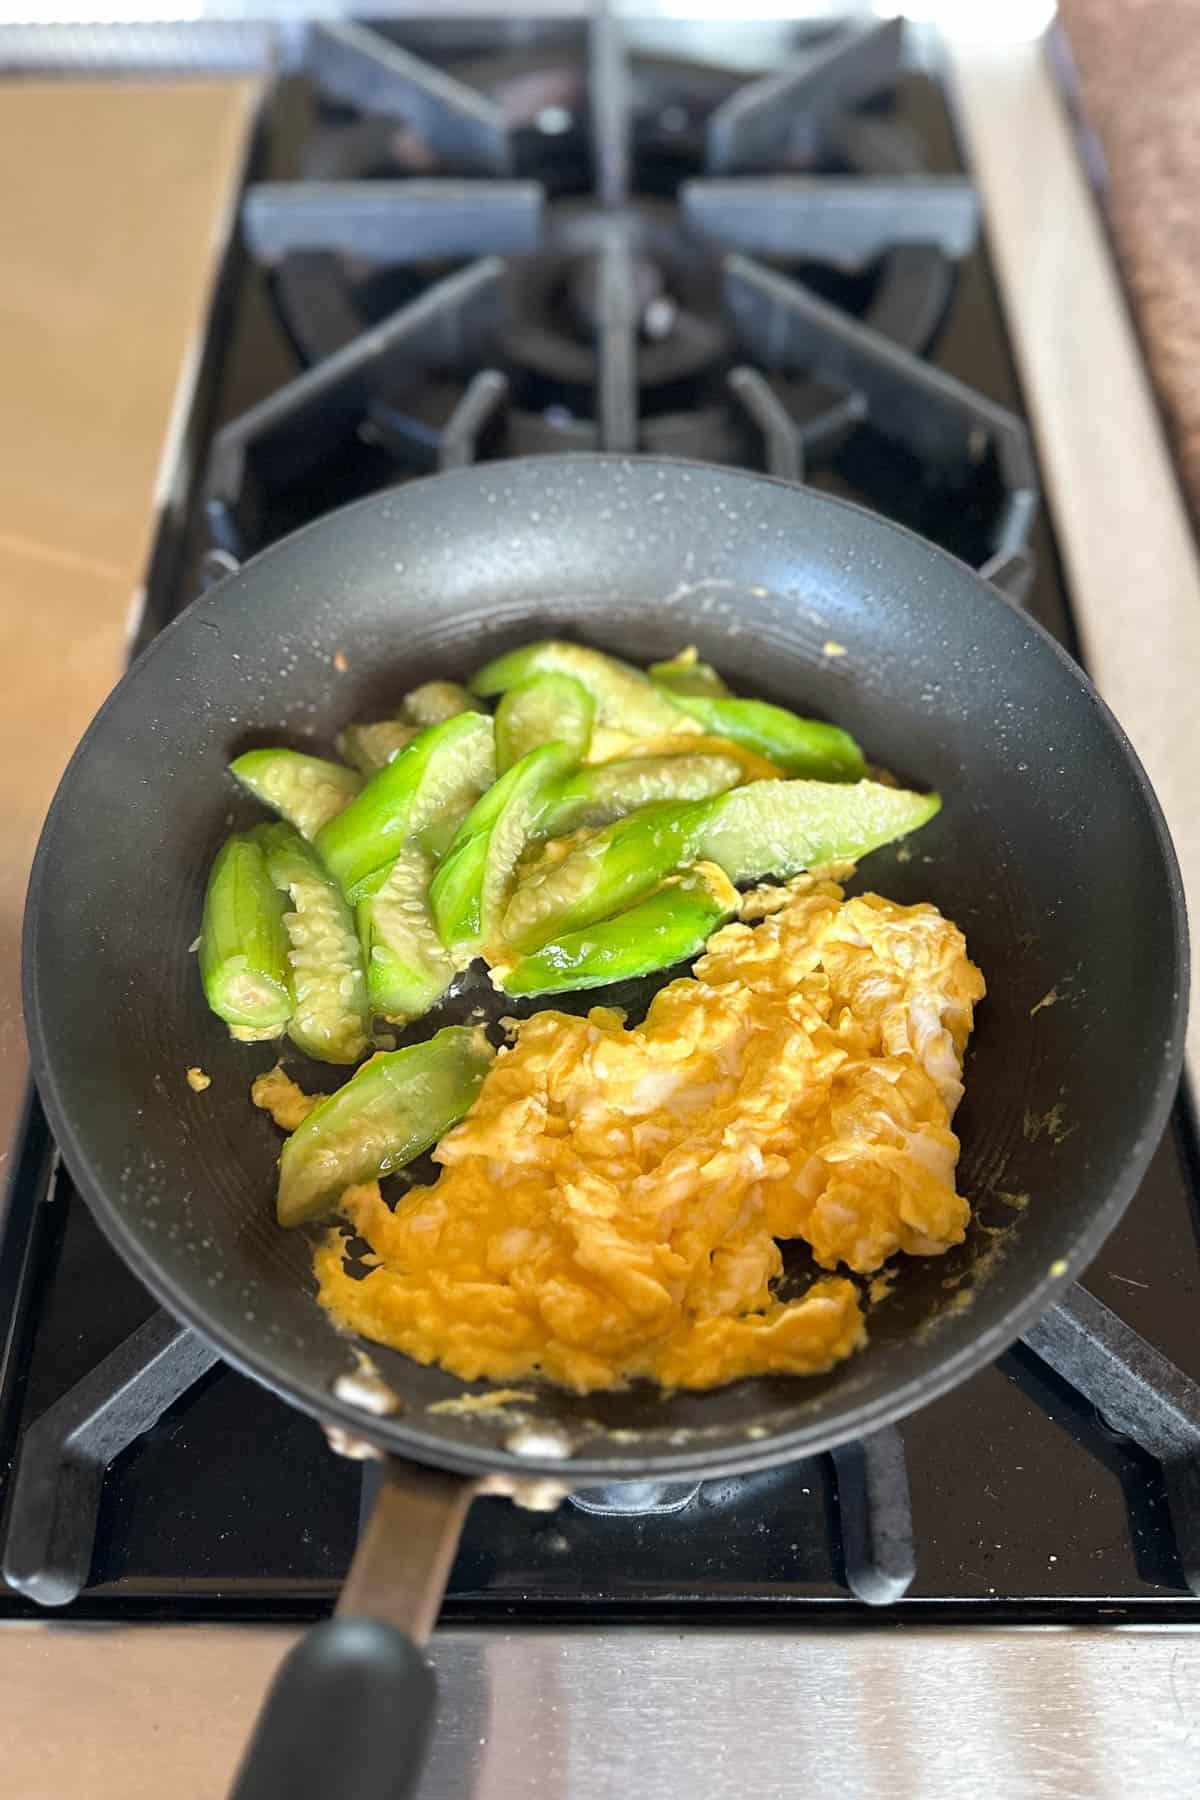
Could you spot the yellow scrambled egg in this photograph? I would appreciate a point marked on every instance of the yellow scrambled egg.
(611, 1205)
(283, 1098)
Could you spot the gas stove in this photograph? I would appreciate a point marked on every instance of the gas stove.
(583, 249)
(468, 240)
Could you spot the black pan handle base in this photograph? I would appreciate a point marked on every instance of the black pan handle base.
(348, 1715)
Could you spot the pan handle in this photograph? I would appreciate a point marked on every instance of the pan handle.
(350, 1711)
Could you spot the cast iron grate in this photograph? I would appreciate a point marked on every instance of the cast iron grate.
(577, 248)
(66, 1453)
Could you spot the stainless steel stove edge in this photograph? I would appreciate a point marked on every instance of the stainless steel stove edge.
(584, 1713)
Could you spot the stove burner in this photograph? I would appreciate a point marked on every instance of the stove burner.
(905, 295)
(559, 310)
(628, 298)
(647, 285)
(634, 1499)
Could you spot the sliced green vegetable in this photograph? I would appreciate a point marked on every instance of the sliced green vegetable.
(472, 884)
(626, 700)
(765, 828)
(329, 1020)
(307, 791)
(436, 779)
(669, 926)
(371, 747)
(434, 702)
(395, 1107)
(686, 674)
(605, 873)
(244, 944)
(606, 791)
(407, 968)
(545, 709)
(806, 747)
(781, 827)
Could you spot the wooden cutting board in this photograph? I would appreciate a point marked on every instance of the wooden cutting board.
(117, 200)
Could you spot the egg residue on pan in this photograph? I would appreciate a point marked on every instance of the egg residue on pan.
(611, 1205)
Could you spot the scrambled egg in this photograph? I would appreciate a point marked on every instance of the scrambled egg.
(283, 1098)
(611, 1205)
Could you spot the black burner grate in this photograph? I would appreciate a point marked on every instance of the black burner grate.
(626, 314)
(1140, 1395)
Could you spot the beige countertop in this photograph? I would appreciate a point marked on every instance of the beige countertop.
(117, 202)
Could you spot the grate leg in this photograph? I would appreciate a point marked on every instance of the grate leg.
(1139, 1393)
(65, 1453)
(876, 1514)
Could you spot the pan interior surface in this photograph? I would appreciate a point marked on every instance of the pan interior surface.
(1049, 852)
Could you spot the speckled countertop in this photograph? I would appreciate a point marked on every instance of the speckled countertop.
(1136, 75)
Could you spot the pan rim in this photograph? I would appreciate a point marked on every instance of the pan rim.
(404, 1437)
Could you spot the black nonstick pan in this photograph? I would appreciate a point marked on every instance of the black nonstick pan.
(1050, 852)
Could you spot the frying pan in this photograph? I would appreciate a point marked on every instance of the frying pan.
(1050, 852)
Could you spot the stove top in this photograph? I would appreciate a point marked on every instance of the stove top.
(634, 253)
(481, 240)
